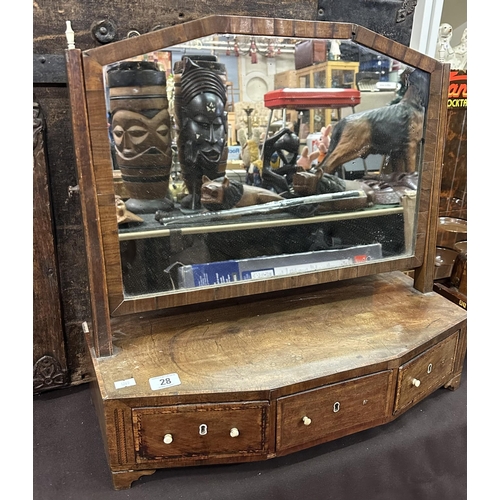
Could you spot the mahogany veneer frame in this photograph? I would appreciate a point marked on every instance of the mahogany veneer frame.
(90, 129)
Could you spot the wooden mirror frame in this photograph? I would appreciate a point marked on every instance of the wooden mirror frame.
(93, 160)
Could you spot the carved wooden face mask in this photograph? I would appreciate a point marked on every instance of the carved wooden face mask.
(205, 129)
(135, 134)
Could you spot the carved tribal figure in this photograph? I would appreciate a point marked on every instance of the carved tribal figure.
(223, 193)
(202, 122)
(135, 134)
(140, 129)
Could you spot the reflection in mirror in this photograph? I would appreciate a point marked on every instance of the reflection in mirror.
(244, 158)
(140, 131)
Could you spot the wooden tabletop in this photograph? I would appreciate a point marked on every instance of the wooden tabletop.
(345, 329)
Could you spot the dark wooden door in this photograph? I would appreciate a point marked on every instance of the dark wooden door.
(49, 357)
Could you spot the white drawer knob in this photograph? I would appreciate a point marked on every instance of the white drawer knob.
(415, 382)
(306, 420)
(234, 432)
(168, 438)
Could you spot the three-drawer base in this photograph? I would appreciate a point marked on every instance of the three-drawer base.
(256, 384)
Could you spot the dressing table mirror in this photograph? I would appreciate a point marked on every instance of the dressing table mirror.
(260, 266)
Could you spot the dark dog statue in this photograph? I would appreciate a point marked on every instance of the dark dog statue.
(395, 130)
(222, 194)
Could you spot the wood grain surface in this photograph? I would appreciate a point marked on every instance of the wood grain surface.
(50, 368)
(348, 328)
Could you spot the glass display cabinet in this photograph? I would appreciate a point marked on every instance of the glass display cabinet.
(232, 321)
(329, 74)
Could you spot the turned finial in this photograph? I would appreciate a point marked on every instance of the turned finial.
(70, 35)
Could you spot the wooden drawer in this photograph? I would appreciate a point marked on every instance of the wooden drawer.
(332, 411)
(200, 431)
(425, 373)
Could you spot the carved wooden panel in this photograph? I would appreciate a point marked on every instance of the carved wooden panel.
(98, 23)
(391, 18)
(49, 357)
(67, 222)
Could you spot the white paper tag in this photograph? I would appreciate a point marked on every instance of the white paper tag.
(164, 381)
(120, 384)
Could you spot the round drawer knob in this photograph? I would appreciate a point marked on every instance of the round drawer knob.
(168, 438)
(415, 382)
(306, 420)
(234, 432)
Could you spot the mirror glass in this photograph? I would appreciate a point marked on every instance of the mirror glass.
(249, 158)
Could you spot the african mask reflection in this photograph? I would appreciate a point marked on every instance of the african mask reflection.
(204, 132)
(140, 128)
(135, 134)
(200, 109)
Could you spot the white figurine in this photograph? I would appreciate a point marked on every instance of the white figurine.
(444, 51)
(460, 50)
(335, 53)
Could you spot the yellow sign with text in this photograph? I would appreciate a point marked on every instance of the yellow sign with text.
(457, 91)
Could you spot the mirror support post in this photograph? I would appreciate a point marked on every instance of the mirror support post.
(101, 330)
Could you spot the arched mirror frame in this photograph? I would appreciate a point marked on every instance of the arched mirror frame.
(90, 130)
